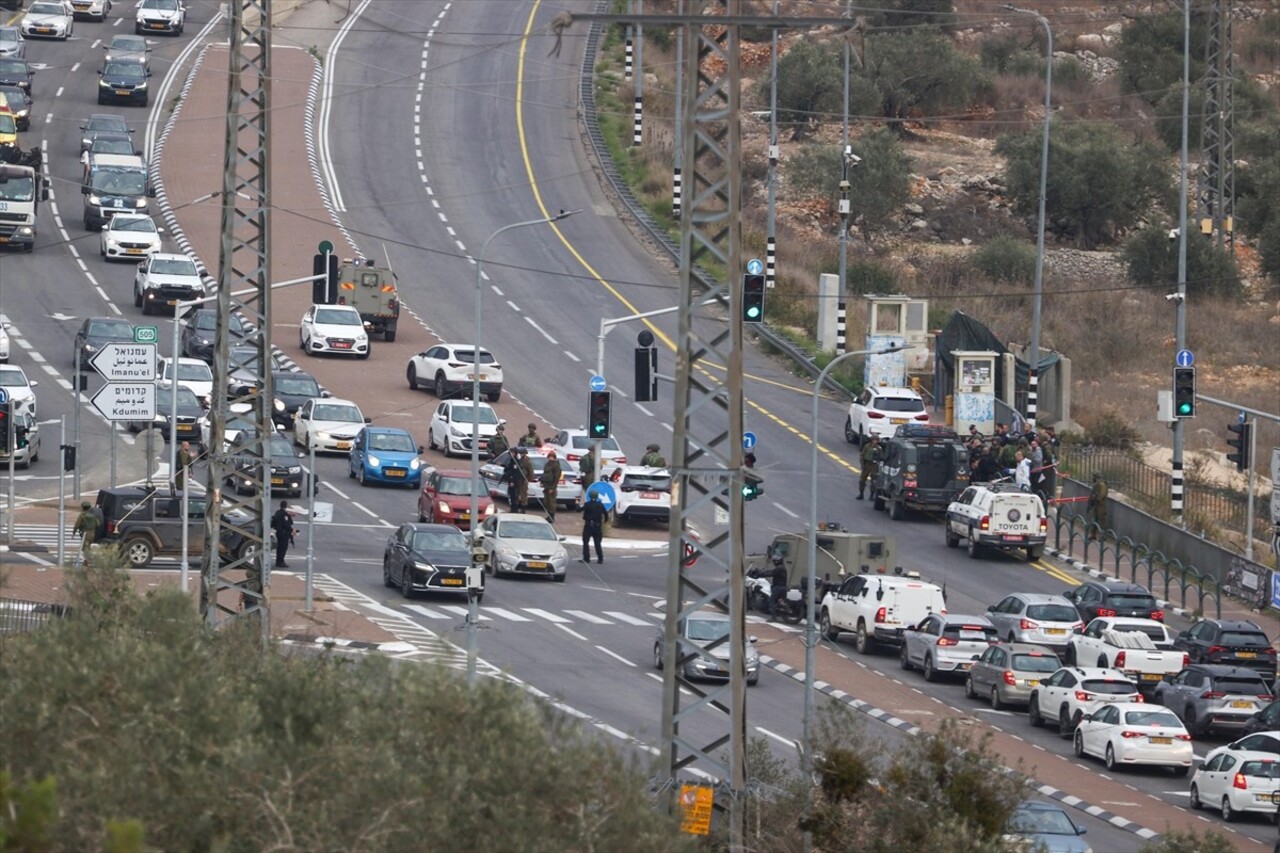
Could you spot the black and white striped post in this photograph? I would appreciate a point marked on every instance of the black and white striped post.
(637, 127)
(1176, 488)
(628, 68)
(676, 189)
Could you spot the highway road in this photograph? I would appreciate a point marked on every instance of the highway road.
(444, 126)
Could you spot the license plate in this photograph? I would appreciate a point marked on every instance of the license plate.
(1033, 682)
(392, 472)
(452, 581)
(1151, 676)
(342, 345)
(897, 420)
(1161, 740)
(124, 93)
(538, 564)
(1009, 537)
(649, 496)
(1241, 704)
(134, 251)
(464, 516)
(1056, 632)
(44, 30)
(4, 239)
(472, 377)
(344, 445)
(1246, 654)
(157, 26)
(171, 302)
(277, 481)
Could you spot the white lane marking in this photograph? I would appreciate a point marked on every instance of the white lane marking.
(784, 510)
(625, 617)
(507, 614)
(425, 611)
(365, 510)
(779, 738)
(550, 617)
(572, 633)
(616, 656)
(461, 611)
(588, 617)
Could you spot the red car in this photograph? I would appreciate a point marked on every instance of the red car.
(446, 498)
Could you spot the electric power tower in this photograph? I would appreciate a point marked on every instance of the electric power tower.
(1217, 185)
(243, 287)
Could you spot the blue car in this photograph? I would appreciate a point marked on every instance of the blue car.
(386, 455)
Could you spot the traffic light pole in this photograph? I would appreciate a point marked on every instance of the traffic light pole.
(1252, 460)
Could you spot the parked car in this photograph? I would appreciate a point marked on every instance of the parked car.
(1006, 672)
(1214, 697)
(643, 494)
(703, 648)
(998, 516)
(26, 452)
(1140, 648)
(385, 455)
(20, 389)
(446, 497)
(1266, 720)
(1231, 642)
(1237, 782)
(573, 444)
(1131, 733)
(879, 411)
(1096, 598)
(1035, 617)
(448, 369)
(519, 544)
(427, 558)
(946, 643)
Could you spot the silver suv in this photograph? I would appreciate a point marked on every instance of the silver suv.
(1214, 696)
(946, 643)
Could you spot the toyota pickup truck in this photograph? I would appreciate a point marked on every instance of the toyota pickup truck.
(1140, 648)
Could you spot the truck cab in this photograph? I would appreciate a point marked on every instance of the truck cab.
(22, 188)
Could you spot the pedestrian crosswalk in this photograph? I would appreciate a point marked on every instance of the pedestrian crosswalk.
(440, 612)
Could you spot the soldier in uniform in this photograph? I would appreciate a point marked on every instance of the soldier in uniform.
(530, 438)
(870, 464)
(86, 525)
(1097, 506)
(183, 462)
(499, 444)
(653, 458)
(550, 481)
(587, 468)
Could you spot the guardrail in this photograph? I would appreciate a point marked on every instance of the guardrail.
(18, 615)
(591, 124)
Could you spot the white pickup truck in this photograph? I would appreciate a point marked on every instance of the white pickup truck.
(876, 608)
(1140, 648)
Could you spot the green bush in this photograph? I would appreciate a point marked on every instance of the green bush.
(920, 71)
(1006, 259)
(1109, 429)
(864, 277)
(1152, 261)
(1150, 54)
(1000, 51)
(810, 85)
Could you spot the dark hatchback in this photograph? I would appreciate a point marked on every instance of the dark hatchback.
(198, 331)
(1235, 642)
(427, 558)
(124, 82)
(16, 72)
(291, 389)
(1113, 598)
(287, 475)
(189, 417)
(97, 332)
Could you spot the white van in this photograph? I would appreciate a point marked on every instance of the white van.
(877, 608)
(997, 515)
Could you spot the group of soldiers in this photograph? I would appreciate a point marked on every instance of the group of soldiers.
(1030, 458)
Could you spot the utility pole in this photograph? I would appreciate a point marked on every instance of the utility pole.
(771, 240)
(1217, 185)
(843, 272)
(244, 260)
(1180, 307)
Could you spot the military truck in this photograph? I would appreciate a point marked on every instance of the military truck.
(840, 553)
(371, 290)
(923, 467)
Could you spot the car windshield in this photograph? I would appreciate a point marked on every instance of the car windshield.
(1159, 717)
(1036, 663)
(128, 44)
(1241, 686)
(208, 321)
(527, 530)
(705, 630)
(106, 124)
(18, 189)
(13, 97)
(281, 447)
(127, 71)
(1052, 612)
(898, 404)
(392, 442)
(119, 182)
(636, 483)
(338, 412)
(243, 358)
(7, 123)
(165, 5)
(12, 377)
(112, 145)
(299, 386)
(142, 224)
(438, 540)
(462, 414)
(1047, 821)
(11, 67)
(460, 486)
(47, 9)
(1261, 769)
(186, 397)
(189, 371)
(1243, 638)
(468, 356)
(582, 442)
(1131, 600)
(1109, 687)
(173, 266)
(115, 330)
(9, 34)
(333, 317)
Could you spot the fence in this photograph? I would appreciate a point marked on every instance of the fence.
(17, 615)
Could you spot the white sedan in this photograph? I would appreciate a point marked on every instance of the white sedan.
(450, 429)
(192, 373)
(1236, 781)
(4, 343)
(880, 411)
(328, 424)
(20, 389)
(448, 369)
(333, 329)
(48, 19)
(130, 235)
(515, 543)
(1128, 733)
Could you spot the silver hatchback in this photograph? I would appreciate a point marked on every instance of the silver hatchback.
(1006, 673)
(1034, 617)
(944, 643)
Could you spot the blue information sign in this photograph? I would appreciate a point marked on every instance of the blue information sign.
(748, 440)
(754, 267)
(598, 383)
(4, 396)
(1186, 358)
(604, 491)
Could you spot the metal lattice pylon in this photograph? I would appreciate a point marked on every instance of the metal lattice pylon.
(707, 452)
(243, 288)
(1217, 139)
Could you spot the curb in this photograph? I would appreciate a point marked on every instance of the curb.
(912, 729)
(394, 647)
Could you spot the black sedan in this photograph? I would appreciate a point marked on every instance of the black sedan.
(428, 558)
(123, 82)
(287, 476)
(190, 413)
(16, 72)
(292, 388)
(198, 331)
(96, 332)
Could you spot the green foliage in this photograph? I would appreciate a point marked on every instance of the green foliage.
(1108, 428)
(1169, 118)
(1190, 841)
(1069, 71)
(810, 84)
(28, 811)
(1099, 182)
(814, 173)
(909, 14)
(1006, 259)
(878, 187)
(863, 277)
(211, 742)
(919, 71)
(1150, 54)
(1003, 52)
(1152, 260)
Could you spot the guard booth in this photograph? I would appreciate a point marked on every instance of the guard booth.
(974, 399)
(897, 321)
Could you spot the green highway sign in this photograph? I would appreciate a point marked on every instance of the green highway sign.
(145, 334)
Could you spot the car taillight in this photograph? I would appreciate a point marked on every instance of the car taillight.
(1137, 697)
(1157, 615)
(1082, 696)
(876, 415)
(947, 641)
(1239, 781)
(1009, 679)
(923, 417)
(880, 614)
(621, 460)
(1028, 625)
(391, 304)
(111, 527)
(1186, 660)
(1044, 524)
(1266, 697)
(1106, 612)
(1133, 734)
(1183, 737)
(1119, 660)
(572, 457)
(1267, 651)
(1215, 650)
(1212, 694)
(984, 523)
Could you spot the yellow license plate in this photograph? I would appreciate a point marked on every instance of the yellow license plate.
(1246, 654)
(1151, 676)
(344, 445)
(277, 481)
(1161, 740)
(897, 420)
(452, 581)
(1240, 704)
(134, 251)
(4, 239)
(464, 516)
(124, 93)
(1055, 631)
(537, 564)
(1033, 682)
(394, 473)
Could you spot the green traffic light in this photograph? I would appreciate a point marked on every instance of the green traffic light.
(1184, 409)
(753, 313)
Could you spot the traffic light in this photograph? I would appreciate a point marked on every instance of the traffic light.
(1184, 392)
(598, 404)
(646, 374)
(752, 298)
(20, 436)
(324, 291)
(752, 487)
(68, 457)
(5, 414)
(1241, 436)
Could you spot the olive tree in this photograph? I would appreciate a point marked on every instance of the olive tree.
(879, 185)
(919, 72)
(1151, 258)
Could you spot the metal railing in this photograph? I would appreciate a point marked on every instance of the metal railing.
(18, 615)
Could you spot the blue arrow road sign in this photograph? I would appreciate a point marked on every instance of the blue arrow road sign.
(4, 396)
(604, 491)
(754, 267)
(748, 440)
(1185, 358)
(598, 383)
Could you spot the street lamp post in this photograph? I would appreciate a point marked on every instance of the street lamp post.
(811, 577)
(1033, 374)
(473, 605)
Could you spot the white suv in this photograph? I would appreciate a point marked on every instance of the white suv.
(643, 494)
(1074, 691)
(997, 515)
(880, 411)
(449, 369)
(160, 16)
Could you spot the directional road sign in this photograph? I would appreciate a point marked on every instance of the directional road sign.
(4, 396)
(754, 267)
(1186, 358)
(126, 401)
(608, 497)
(598, 383)
(146, 334)
(748, 440)
(120, 362)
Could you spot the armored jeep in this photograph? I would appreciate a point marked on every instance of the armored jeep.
(923, 467)
(371, 290)
(839, 554)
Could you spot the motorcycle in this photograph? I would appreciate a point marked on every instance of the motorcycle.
(791, 607)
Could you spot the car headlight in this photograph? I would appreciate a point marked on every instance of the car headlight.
(26, 230)
(139, 87)
(113, 242)
(457, 433)
(443, 507)
(374, 461)
(489, 510)
(142, 203)
(295, 469)
(278, 405)
(103, 84)
(414, 464)
(95, 199)
(559, 559)
(323, 436)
